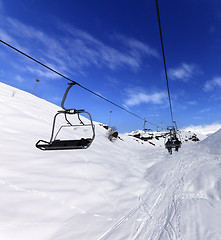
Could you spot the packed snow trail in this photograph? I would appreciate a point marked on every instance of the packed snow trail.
(159, 214)
(157, 208)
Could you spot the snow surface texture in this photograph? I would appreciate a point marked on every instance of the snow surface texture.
(113, 190)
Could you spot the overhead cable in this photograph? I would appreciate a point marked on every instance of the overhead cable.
(164, 61)
(61, 75)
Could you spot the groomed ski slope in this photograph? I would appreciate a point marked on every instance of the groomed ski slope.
(113, 190)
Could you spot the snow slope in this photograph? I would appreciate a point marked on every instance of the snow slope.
(113, 190)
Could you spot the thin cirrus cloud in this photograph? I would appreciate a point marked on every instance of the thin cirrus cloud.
(138, 96)
(184, 72)
(98, 53)
(73, 50)
(212, 84)
(136, 47)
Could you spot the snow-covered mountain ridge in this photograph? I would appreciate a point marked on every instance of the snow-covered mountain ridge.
(113, 190)
(158, 139)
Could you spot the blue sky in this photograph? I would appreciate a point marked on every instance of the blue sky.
(113, 48)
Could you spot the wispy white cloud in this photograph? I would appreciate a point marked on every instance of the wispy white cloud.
(136, 47)
(34, 41)
(212, 84)
(11, 40)
(19, 79)
(184, 72)
(138, 96)
(55, 99)
(42, 73)
(94, 51)
(113, 82)
(73, 50)
(192, 103)
(205, 110)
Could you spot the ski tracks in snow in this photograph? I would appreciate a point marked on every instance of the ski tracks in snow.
(158, 214)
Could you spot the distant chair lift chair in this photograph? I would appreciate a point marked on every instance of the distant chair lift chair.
(172, 140)
(57, 144)
(144, 127)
